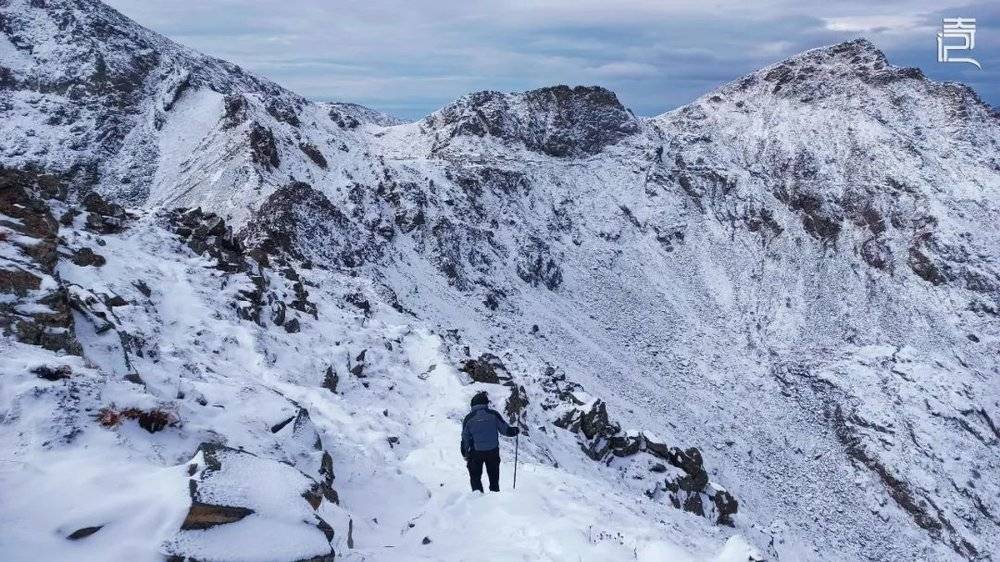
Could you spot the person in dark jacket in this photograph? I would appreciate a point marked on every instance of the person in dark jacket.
(480, 444)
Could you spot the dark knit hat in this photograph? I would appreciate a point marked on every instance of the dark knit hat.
(480, 398)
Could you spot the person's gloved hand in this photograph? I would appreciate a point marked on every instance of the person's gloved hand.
(516, 431)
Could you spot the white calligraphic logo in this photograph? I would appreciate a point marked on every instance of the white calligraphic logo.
(957, 28)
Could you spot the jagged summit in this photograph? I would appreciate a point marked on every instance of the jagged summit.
(856, 52)
(847, 73)
(85, 48)
(109, 93)
(842, 91)
(366, 114)
(859, 59)
(558, 121)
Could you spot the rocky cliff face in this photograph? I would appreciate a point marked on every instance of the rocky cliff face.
(559, 121)
(783, 296)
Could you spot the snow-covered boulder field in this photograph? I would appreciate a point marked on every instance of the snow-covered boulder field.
(238, 325)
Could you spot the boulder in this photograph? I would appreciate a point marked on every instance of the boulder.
(264, 497)
(206, 516)
(488, 368)
(725, 507)
(53, 373)
(84, 532)
(85, 257)
(103, 217)
(331, 379)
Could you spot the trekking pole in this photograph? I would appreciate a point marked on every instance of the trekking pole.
(517, 441)
(517, 438)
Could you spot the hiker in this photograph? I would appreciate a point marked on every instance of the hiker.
(480, 444)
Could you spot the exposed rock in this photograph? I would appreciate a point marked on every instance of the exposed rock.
(924, 267)
(19, 282)
(331, 379)
(537, 266)
(327, 477)
(235, 112)
(284, 111)
(340, 112)
(343, 119)
(280, 425)
(84, 532)
(298, 212)
(85, 257)
(205, 516)
(516, 404)
(278, 309)
(93, 202)
(53, 373)
(263, 149)
(143, 288)
(561, 121)
(358, 300)
(314, 154)
(103, 217)
(69, 217)
(898, 489)
(603, 440)
(692, 503)
(38, 310)
(488, 368)
(222, 495)
(326, 529)
(208, 234)
(725, 506)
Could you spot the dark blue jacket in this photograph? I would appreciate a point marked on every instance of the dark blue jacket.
(480, 429)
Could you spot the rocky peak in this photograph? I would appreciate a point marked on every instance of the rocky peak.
(832, 71)
(362, 114)
(96, 77)
(859, 53)
(559, 121)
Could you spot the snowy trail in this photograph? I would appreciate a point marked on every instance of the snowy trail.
(552, 516)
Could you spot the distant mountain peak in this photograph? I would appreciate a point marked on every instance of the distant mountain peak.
(859, 59)
(859, 51)
(560, 121)
(844, 70)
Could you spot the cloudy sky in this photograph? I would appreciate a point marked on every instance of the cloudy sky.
(409, 58)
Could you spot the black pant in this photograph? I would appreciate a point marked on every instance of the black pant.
(475, 464)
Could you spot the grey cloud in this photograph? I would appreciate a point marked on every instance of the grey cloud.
(411, 58)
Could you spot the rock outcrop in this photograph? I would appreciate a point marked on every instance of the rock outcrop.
(558, 121)
(221, 495)
(37, 308)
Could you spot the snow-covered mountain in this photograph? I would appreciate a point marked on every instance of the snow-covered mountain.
(240, 325)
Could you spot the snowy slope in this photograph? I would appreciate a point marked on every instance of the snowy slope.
(795, 275)
(264, 392)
